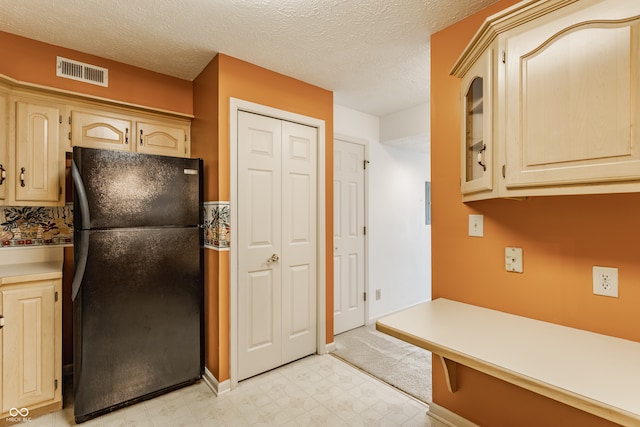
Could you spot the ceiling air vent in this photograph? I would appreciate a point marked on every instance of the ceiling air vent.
(82, 72)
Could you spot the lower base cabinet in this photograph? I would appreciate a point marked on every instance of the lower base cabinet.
(31, 348)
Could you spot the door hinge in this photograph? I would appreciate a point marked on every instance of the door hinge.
(365, 296)
(504, 57)
(69, 136)
(365, 163)
(55, 383)
(69, 119)
(504, 171)
(56, 296)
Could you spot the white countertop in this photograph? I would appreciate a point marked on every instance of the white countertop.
(28, 264)
(17, 273)
(594, 372)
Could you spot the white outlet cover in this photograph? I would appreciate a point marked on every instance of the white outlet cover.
(605, 281)
(513, 259)
(476, 225)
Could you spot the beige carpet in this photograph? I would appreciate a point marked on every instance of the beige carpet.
(395, 362)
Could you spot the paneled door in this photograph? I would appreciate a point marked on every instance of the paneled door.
(276, 242)
(348, 236)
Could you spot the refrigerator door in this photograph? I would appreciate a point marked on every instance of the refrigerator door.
(137, 190)
(137, 318)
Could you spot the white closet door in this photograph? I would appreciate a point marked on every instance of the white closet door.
(348, 236)
(259, 238)
(276, 242)
(298, 240)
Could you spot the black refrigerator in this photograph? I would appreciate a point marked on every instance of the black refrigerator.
(138, 285)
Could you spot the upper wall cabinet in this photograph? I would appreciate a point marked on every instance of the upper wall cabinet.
(38, 124)
(567, 99)
(4, 148)
(38, 168)
(103, 129)
(115, 129)
(31, 155)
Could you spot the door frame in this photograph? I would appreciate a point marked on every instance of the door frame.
(236, 105)
(365, 144)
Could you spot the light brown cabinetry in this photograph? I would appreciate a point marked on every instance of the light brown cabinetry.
(567, 99)
(100, 129)
(4, 147)
(31, 344)
(164, 138)
(31, 151)
(39, 163)
(115, 129)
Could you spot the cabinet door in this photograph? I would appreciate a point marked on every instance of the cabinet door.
(573, 104)
(4, 153)
(163, 138)
(39, 161)
(100, 129)
(28, 350)
(477, 133)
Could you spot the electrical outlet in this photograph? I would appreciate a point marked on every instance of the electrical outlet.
(378, 294)
(605, 281)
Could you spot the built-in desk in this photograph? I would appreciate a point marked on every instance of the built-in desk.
(596, 373)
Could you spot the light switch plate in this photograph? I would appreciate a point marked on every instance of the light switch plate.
(476, 225)
(513, 259)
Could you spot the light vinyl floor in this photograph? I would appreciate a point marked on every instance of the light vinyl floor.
(319, 390)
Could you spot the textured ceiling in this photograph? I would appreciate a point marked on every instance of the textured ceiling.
(373, 54)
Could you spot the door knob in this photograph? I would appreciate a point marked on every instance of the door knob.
(274, 258)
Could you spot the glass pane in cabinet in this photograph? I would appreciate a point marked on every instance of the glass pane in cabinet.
(475, 145)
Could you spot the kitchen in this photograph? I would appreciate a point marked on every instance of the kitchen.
(562, 236)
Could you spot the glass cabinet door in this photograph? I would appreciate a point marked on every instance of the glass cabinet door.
(476, 156)
(475, 146)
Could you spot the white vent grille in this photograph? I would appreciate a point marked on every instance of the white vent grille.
(82, 72)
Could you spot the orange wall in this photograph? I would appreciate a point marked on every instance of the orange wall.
(34, 62)
(224, 78)
(562, 238)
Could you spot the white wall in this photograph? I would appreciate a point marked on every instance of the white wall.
(398, 241)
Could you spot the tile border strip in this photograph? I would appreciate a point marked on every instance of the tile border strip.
(26, 226)
(217, 229)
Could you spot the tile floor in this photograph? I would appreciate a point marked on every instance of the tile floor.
(314, 391)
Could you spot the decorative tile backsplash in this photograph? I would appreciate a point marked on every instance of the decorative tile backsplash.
(217, 230)
(36, 226)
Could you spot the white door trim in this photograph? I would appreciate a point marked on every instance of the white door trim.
(236, 105)
(364, 143)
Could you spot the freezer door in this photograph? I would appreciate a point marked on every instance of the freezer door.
(138, 318)
(137, 190)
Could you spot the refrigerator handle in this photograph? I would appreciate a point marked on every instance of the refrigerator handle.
(82, 247)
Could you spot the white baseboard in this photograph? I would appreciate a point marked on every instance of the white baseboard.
(214, 385)
(447, 417)
(331, 347)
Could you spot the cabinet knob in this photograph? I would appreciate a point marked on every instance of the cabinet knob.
(3, 174)
(141, 139)
(22, 171)
(1, 321)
